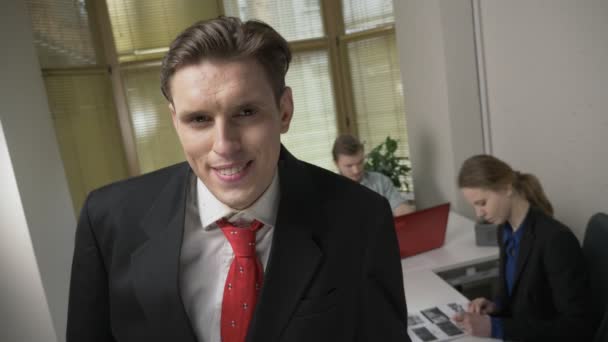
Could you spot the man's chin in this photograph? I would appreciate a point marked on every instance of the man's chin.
(238, 200)
(237, 203)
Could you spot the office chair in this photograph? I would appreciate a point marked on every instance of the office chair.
(596, 255)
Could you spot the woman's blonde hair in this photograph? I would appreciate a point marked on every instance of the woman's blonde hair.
(488, 172)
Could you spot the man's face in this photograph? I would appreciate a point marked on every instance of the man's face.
(229, 125)
(490, 206)
(351, 166)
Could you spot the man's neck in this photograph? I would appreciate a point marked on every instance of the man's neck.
(264, 208)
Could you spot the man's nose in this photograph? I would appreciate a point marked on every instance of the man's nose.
(227, 139)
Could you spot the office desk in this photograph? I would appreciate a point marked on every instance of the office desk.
(459, 254)
(424, 289)
(459, 249)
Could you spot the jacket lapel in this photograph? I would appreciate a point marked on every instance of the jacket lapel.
(527, 242)
(295, 252)
(155, 264)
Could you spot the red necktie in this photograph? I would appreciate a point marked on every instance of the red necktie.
(243, 282)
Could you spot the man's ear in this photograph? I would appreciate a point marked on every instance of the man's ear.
(337, 165)
(286, 109)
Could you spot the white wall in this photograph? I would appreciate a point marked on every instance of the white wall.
(24, 313)
(42, 189)
(543, 80)
(439, 73)
(547, 82)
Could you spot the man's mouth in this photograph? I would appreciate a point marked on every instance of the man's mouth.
(232, 172)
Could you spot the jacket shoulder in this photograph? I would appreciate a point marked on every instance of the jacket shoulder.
(133, 193)
(551, 230)
(336, 187)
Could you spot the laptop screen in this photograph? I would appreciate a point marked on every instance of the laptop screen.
(422, 230)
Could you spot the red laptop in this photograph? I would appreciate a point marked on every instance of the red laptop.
(422, 230)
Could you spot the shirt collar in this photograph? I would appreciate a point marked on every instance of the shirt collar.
(365, 179)
(516, 236)
(264, 209)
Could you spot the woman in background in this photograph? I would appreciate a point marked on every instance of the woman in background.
(543, 285)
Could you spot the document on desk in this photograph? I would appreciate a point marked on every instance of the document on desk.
(435, 323)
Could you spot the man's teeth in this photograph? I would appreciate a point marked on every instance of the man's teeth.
(231, 170)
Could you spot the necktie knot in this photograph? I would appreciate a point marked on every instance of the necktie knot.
(242, 239)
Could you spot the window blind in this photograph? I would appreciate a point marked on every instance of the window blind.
(87, 131)
(313, 128)
(144, 29)
(378, 92)
(61, 33)
(156, 142)
(361, 15)
(294, 20)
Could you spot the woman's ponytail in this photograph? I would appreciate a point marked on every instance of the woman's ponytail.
(529, 186)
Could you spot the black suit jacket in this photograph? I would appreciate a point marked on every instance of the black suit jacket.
(334, 271)
(551, 291)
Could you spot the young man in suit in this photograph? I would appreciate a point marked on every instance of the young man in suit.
(243, 242)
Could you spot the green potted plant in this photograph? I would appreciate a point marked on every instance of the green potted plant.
(382, 159)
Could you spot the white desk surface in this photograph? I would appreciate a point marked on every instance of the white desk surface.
(458, 250)
(424, 289)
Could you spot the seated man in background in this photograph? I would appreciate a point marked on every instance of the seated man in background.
(349, 156)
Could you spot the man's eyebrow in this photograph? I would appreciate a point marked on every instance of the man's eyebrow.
(249, 102)
(187, 114)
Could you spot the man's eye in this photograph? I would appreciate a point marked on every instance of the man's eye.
(246, 112)
(200, 119)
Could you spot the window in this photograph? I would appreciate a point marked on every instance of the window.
(295, 20)
(87, 131)
(62, 33)
(155, 138)
(313, 127)
(144, 29)
(360, 15)
(371, 52)
(79, 92)
(378, 92)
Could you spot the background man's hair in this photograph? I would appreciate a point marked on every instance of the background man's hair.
(346, 144)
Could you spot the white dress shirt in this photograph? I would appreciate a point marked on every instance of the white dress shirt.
(206, 254)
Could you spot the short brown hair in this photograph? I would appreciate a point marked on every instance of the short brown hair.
(228, 38)
(346, 144)
(488, 172)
